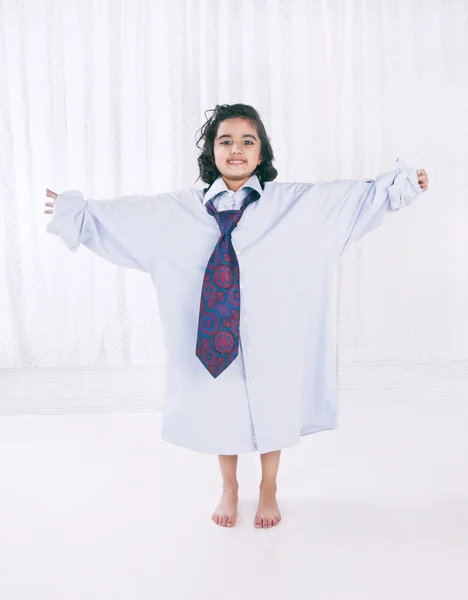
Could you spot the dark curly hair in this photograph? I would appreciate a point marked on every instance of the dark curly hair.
(209, 172)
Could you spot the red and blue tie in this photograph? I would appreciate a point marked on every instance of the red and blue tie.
(218, 323)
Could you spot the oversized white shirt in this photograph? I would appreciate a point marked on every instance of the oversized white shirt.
(283, 384)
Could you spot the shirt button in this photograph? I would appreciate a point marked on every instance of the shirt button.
(246, 318)
(405, 174)
(241, 285)
(249, 351)
(238, 251)
(253, 382)
(254, 439)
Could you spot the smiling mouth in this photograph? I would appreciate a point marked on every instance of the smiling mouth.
(236, 162)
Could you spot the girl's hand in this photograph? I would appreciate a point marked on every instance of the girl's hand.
(52, 195)
(423, 179)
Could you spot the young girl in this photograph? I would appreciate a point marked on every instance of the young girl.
(244, 274)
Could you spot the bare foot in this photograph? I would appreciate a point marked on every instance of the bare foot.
(226, 512)
(268, 513)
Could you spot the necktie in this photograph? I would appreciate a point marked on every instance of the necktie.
(218, 322)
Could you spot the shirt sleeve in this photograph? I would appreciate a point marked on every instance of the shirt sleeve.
(354, 208)
(121, 230)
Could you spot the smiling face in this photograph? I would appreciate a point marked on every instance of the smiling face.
(237, 151)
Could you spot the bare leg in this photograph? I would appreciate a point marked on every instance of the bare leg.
(226, 512)
(268, 513)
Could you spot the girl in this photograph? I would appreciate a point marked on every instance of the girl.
(244, 275)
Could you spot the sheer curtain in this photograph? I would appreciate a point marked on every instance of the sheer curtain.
(107, 97)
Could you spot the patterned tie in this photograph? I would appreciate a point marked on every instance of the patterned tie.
(218, 323)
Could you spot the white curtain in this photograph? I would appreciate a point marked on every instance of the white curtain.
(107, 97)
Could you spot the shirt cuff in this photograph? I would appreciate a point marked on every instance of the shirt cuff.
(67, 218)
(405, 187)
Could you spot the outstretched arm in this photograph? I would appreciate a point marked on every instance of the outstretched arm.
(354, 208)
(121, 230)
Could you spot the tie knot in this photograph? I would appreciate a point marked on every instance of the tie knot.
(228, 219)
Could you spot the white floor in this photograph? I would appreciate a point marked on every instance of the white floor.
(97, 507)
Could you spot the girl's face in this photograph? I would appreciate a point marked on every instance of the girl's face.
(237, 140)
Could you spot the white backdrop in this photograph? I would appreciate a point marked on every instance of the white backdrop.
(107, 97)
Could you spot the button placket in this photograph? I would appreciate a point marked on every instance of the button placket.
(249, 350)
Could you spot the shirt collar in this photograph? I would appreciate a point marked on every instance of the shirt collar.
(219, 186)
